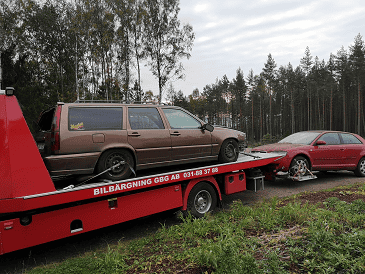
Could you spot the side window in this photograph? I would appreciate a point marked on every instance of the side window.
(330, 138)
(94, 118)
(349, 139)
(144, 118)
(179, 119)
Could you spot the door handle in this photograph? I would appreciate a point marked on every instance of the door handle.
(134, 134)
(175, 133)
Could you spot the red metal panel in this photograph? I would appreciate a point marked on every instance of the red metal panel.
(22, 170)
(105, 189)
(55, 225)
(234, 182)
(5, 189)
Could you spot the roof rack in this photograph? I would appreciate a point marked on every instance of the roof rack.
(81, 101)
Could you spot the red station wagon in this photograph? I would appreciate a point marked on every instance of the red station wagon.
(86, 138)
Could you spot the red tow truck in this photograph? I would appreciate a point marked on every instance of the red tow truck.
(33, 210)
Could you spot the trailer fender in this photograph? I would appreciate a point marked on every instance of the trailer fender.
(192, 183)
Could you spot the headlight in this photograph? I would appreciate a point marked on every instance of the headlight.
(281, 153)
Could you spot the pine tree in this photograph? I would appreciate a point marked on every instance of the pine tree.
(306, 64)
(357, 61)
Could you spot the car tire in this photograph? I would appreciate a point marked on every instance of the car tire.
(111, 158)
(360, 169)
(202, 199)
(229, 151)
(304, 166)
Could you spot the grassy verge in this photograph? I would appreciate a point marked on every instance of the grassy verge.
(275, 236)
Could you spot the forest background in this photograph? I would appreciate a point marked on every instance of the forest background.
(94, 49)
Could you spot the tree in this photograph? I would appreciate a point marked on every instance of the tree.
(180, 100)
(8, 31)
(342, 76)
(251, 82)
(357, 61)
(166, 43)
(239, 89)
(269, 76)
(306, 64)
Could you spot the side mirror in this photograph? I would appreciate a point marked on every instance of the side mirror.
(320, 143)
(208, 127)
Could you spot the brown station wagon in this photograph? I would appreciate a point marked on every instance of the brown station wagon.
(86, 138)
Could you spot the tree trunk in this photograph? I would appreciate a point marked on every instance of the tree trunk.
(253, 133)
(292, 113)
(1, 73)
(344, 107)
(359, 109)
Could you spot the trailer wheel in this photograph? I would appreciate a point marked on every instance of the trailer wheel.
(229, 151)
(360, 169)
(299, 166)
(202, 199)
(111, 158)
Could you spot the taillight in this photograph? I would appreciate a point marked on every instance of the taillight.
(55, 130)
(55, 139)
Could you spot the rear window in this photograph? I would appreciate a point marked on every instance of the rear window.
(92, 118)
(349, 139)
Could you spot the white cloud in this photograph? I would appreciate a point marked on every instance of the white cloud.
(234, 33)
(200, 8)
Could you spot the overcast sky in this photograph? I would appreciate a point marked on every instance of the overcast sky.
(232, 34)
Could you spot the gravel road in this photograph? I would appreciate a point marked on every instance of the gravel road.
(19, 261)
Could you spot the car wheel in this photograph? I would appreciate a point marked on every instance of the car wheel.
(229, 151)
(111, 158)
(299, 166)
(360, 169)
(202, 199)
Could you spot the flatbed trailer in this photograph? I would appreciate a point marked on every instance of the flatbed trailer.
(33, 211)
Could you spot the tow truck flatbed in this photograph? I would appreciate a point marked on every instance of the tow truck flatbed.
(33, 211)
(104, 189)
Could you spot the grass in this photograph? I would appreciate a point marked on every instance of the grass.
(270, 237)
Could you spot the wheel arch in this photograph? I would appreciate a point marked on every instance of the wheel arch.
(358, 170)
(228, 138)
(210, 180)
(306, 157)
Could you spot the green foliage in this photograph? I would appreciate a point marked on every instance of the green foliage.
(112, 261)
(269, 237)
(225, 256)
(93, 49)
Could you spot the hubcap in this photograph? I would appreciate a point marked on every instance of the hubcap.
(230, 151)
(300, 168)
(362, 167)
(112, 161)
(203, 201)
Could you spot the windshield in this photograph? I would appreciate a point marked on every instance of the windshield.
(304, 138)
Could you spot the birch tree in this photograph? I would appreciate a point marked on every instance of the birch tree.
(166, 42)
